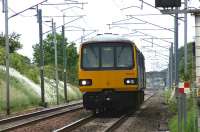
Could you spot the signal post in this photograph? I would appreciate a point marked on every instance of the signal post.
(168, 6)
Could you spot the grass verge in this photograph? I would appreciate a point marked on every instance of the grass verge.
(191, 125)
(21, 97)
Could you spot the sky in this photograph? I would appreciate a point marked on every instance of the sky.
(97, 15)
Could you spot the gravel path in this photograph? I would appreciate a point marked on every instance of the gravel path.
(152, 117)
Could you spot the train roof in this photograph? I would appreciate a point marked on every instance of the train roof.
(108, 38)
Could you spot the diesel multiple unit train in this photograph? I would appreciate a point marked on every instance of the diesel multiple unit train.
(111, 73)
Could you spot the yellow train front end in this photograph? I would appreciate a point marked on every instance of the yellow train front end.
(108, 80)
(108, 75)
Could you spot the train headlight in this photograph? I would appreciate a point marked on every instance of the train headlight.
(130, 81)
(85, 82)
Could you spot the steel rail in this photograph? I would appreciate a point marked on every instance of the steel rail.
(26, 119)
(75, 124)
(19, 117)
(117, 123)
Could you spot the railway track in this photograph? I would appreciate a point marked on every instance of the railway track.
(113, 124)
(117, 123)
(123, 118)
(22, 120)
(75, 124)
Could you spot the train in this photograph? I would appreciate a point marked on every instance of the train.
(111, 73)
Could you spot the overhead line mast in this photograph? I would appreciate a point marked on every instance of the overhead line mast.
(5, 9)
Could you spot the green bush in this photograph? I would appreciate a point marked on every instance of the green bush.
(167, 94)
(19, 62)
(2, 56)
(23, 65)
(71, 55)
(33, 74)
(170, 102)
(49, 71)
(21, 96)
(191, 118)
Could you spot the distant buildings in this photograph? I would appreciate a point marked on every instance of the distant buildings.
(156, 80)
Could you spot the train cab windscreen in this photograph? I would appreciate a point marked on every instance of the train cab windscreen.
(107, 56)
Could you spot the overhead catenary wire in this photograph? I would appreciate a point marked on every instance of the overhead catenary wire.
(62, 10)
(138, 15)
(136, 31)
(150, 5)
(115, 22)
(127, 23)
(71, 8)
(64, 16)
(50, 4)
(149, 29)
(85, 35)
(24, 16)
(152, 24)
(157, 8)
(27, 9)
(145, 34)
(63, 25)
(155, 44)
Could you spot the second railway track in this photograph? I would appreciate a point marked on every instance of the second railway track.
(22, 120)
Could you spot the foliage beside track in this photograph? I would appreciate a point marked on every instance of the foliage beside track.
(21, 96)
(14, 43)
(171, 102)
(191, 103)
(191, 112)
(190, 63)
(49, 58)
(191, 125)
(17, 61)
(31, 70)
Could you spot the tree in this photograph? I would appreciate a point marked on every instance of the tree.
(14, 43)
(72, 63)
(181, 63)
(2, 56)
(49, 58)
(19, 62)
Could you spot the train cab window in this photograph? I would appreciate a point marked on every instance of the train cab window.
(91, 57)
(107, 57)
(124, 57)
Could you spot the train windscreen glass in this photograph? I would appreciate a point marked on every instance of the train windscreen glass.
(124, 57)
(91, 57)
(107, 56)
